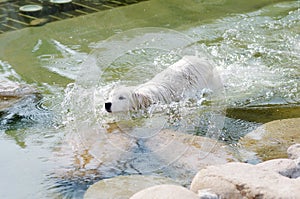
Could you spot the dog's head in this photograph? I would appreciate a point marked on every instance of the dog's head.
(125, 99)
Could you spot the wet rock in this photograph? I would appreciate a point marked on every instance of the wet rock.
(92, 152)
(12, 92)
(86, 156)
(294, 151)
(272, 139)
(123, 187)
(187, 154)
(13, 89)
(242, 180)
(164, 192)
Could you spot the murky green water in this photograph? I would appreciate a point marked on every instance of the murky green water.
(47, 143)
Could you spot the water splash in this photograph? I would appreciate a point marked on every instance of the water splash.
(256, 54)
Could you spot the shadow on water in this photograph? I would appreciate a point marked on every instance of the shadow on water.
(264, 114)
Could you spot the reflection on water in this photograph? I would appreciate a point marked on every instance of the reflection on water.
(65, 60)
(66, 141)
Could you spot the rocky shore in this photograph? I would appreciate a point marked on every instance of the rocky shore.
(274, 178)
(277, 178)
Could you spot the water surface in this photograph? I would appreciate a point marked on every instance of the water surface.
(45, 141)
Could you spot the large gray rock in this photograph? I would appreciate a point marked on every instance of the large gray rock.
(272, 139)
(123, 187)
(187, 154)
(241, 180)
(165, 192)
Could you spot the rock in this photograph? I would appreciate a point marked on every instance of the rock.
(123, 186)
(95, 152)
(285, 167)
(294, 151)
(91, 152)
(207, 194)
(251, 181)
(12, 92)
(13, 89)
(165, 192)
(186, 154)
(272, 139)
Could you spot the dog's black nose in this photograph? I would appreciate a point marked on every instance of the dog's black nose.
(108, 107)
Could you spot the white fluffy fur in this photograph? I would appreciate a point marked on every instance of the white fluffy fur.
(190, 74)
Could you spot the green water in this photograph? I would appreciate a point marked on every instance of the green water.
(254, 44)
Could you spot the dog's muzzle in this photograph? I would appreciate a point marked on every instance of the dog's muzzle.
(108, 106)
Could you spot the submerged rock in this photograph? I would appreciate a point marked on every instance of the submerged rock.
(173, 154)
(186, 154)
(91, 153)
(272, 139)
(164, 192)
(123, 187)
(86, 156)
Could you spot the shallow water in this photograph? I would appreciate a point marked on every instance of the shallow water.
(56, 145)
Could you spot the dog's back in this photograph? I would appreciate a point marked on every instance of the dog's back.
(189, 74)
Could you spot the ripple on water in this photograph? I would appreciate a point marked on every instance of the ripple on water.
(258, 60)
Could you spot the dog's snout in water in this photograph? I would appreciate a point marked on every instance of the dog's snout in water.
(108, 107)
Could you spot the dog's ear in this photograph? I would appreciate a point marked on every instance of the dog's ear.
(140, 100)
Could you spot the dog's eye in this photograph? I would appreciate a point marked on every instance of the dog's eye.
(122, 98)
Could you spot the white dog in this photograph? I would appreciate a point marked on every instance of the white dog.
(190, 74)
